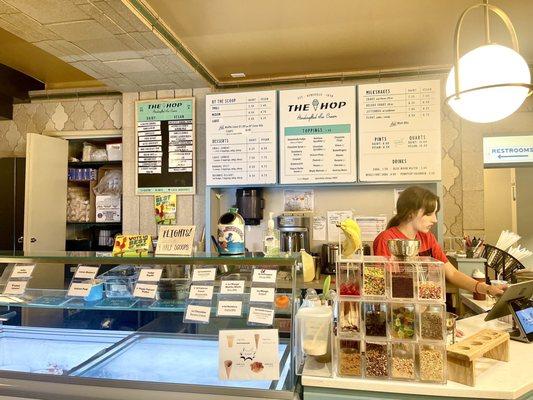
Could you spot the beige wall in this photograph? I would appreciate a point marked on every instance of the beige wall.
(524, 209)
(462, 156)
(499, 204)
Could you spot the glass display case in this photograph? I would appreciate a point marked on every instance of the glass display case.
(119, 327)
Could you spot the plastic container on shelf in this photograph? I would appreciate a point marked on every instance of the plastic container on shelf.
(349, 280)
(430, 283)
(402, 321)
(374, 280)
(119, 281)
(375, 319)
(350, 360)
(403, 360)
(349, 319)
(376, 359)
(432, 321)
(432, 361)
(402, 281)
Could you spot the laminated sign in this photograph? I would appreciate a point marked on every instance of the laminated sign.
(175, 240)
(132, 245)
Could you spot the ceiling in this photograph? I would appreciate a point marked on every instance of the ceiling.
(31, 60)
(280, 38)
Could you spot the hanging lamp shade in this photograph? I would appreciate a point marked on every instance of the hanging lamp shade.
(492, 78)
(490, 82)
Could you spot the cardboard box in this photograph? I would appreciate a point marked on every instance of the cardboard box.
(114, 151)
(108, 208)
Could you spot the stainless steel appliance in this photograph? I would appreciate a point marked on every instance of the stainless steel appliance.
(329, 257)
(294, 232)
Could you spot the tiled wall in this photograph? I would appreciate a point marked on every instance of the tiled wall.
(462, 156)
(65, 115)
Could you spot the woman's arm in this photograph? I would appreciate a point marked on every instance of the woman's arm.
(463, 281)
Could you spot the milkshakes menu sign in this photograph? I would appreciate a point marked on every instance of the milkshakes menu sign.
(508, 149)
(399, 131)
(317, 135)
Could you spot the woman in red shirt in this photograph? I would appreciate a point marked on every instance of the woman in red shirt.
(416, 213)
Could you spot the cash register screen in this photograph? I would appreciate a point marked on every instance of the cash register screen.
(526, 319)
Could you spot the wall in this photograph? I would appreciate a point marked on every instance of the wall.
(53, 115)
(524, 209)
(462, 156)
(499, 206)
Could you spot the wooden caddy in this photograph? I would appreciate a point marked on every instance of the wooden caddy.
(462, 356)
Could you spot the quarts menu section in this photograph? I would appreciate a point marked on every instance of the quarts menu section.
(399, 131)
(317, 135)
(241, 132)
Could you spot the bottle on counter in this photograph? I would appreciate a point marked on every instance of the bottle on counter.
(271, 238)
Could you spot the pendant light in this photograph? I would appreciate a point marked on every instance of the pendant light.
(490, 82)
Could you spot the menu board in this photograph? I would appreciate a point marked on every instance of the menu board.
(317, 135)
(399, 131)
(165, 146)
(241, 133)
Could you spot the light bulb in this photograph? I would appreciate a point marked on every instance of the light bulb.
(484, 66)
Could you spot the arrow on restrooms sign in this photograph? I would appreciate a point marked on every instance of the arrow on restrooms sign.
(513, 156)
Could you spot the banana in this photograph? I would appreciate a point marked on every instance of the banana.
(352, 233)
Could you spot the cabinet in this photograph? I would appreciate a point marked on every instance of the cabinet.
(152, 352)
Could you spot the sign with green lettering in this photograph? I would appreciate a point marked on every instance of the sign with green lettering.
(165, 146)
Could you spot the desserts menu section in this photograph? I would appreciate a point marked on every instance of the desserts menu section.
(399, 131)
(165, 146)
(241, 136)
(317, 135)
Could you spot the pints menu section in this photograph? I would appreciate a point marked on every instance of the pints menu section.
(317, 135)
(399, 131)
(241, 134)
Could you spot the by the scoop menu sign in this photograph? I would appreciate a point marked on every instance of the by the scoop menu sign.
(399, 131)
(317, 135)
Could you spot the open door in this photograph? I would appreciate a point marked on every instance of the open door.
(46, 193)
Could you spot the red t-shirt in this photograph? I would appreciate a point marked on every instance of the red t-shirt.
(428, 244)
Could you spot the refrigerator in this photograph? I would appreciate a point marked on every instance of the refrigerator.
(12, 172)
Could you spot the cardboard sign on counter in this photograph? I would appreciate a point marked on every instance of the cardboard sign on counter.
(132, 245)
(175, 240)
(22, 271)
(86, 272)
(15, 287)
(248, 354)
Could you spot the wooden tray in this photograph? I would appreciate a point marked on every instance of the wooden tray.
(462, 356)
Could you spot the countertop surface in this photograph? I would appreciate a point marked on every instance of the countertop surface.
(494, 379)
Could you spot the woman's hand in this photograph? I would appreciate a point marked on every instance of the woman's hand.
(495, 291)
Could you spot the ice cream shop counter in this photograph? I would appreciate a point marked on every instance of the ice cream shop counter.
(195, 327)
(494, 379)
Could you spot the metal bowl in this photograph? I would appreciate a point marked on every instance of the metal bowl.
(403, 248)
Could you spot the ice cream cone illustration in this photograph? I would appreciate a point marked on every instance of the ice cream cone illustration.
(230, 340)
(227, 366)
(256, 337)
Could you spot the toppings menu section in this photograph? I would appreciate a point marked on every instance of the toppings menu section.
(241, 133)
(317, 135)
(165, 146)
(399, 131)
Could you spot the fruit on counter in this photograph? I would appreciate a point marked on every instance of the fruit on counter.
(403, 322)
(352, 232)
(308, 266)
(282, 301)
(350, 289)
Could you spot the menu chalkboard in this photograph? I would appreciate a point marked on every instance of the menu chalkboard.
(165, 146)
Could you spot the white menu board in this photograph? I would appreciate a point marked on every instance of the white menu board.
(317, 135)
(241, 134)
(399, 131)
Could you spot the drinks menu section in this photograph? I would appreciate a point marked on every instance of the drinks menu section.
(165, 146)
(241, 136)
(317, 135)
(399, 131)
